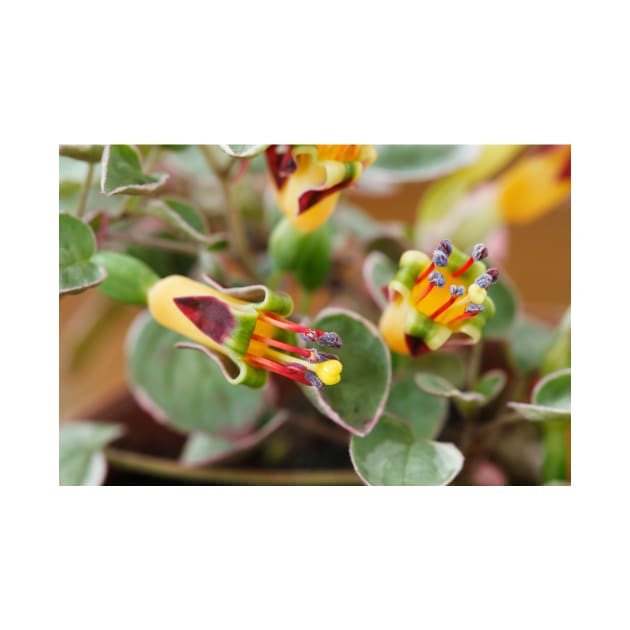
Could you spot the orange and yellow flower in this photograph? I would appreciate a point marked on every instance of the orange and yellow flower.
(432, 298)
(245, 330)
(309, 177)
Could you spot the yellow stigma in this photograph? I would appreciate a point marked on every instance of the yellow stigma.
(476, 294)
(329, 372)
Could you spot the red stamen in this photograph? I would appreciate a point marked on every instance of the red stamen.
(425, 292)
(294, 372)
(463, 268)
(442, 308)
(427, 271)
(275, 343)
(462, 316)
(285, 324)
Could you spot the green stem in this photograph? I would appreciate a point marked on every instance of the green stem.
(85, 190)
(474, 364)
(556, 456)
(234, 220)
(160, 467)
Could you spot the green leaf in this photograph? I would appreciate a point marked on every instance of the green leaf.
(187, 213)
(81, 462)
(203, 449)
(417, 162)
(378, 270)
(128, 279)
(558, 355)
(306, 255)
(423, 413)
(357, 402)
(77, 272)
(551, 399)
(487, 388)
(186, 389)
(244, 150)
(506, 305)
(391, 456)
(122, 173)
(529, 340)
(445, 364)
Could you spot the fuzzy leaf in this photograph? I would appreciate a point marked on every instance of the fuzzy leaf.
(121, 172)
(484, 391)
(392, 456)
(423, 413)
(81, 462)
(551, 399)
(186, 390)
(128, 279)
(357, 402)
(77, 244)
(244, 150)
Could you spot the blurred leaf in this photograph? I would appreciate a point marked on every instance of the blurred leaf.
(81, 462)
(529, 340)
(417, 162)
(128, 279)
(84, 152)
(506, 304)
(551, 399)
(350, 219)
(306, 255)
(357, 402)
(391, 456)
(447, 365)
(487, 388)
(77, 272)
(122, 172)
(558, 355)
(244, 150)
(422, 413)
(202, 449)
(186, 389)
(187, 213)
(163, 262)
(378, 270)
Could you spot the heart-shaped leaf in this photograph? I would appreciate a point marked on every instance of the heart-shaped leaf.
(423, 413)
(186, 389)
(417, 162)
(77, 244)
(187, 213)
(128, 279)
(244, 150)
(357, 402)
(551, 399)
(121, 172)
(529, 340)
(392, 456)
(378, 270)
(81, 462)
(203, 449)
(506, 305)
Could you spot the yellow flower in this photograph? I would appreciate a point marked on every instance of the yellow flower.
(430, 299)
(245, 330)
(536, 184)
(309, 178)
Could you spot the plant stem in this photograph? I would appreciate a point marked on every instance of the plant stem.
(555, 464)
(474, 364)
(234, 220)
(160, 467)
(85, 190)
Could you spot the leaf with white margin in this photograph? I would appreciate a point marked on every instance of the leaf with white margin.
(358, 400)
(392, 456)
(244, 151)
(122, 173)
